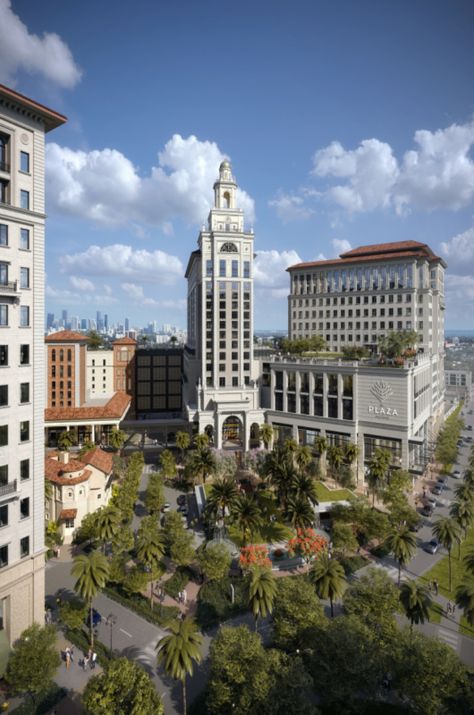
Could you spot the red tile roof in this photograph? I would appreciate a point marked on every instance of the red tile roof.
(369, 257)
(114, 409)
(54, 471)
(99, 459)
(67, 514)
(66, 336)
(386, 248)
(124, 341)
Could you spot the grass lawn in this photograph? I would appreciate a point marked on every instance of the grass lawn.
(436, 611)
(325, 494)
(272, 532)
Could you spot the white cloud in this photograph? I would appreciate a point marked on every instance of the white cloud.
(459, 252)
(68, 297)
(291, 208)
(459, 298)
(133, 291)
(437, 174)
(341, 245)
(125, 261)
(81, 283)
(20, 50)
(104, 186)
(269, 269)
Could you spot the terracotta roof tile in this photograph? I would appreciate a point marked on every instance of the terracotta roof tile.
(99, 459)
(67, 514)
(54, 471)
(66, 336)
(365, 259)
(125, 341)
(114, 409)
(51, 118)
(385, 248)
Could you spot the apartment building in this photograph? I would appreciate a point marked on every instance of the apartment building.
(220, 390)
(23, 125)
(458, 383)
(99, 373)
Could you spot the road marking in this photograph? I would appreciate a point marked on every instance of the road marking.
(448, 637)
(126, 632)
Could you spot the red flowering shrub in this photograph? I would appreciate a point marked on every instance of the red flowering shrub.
(307, 544)
(254, 555)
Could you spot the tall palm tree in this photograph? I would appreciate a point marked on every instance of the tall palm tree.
(303, 457)
(329, 579)
(222, 497)
(283, 478)
(464, 492)
(463, 513)
(299, 512)
(416, 602)
(468, 477)
(108, 523)
(465, 599)
(351, 452)
(246, 516)
(468, 561)
(203, 463)
(150, 548)
(183, 440)
(262, 590)
(335, 458)
(378, 471)
(179, 650)
(91, 571)
(402, 544)
(305, 486)
(321, 445)
(266, 434)
(201, 441)
(448, 532)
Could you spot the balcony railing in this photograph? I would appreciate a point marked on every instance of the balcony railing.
(8, 286)
(9, 488)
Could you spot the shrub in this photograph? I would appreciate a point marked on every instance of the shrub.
(215, 601)
(178, 581)
(351, 564)
(159, 616)
(51, 698)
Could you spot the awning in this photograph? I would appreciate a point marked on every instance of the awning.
(67, 514)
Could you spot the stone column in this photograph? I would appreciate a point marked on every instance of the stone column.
(272, 389)
(325, 394)
(285, 391)
(298, 391)
(311, 393)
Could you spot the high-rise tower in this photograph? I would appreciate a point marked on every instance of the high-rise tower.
(220, 391)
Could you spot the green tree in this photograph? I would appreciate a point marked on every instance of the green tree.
(299, 512)
(123, 540)
(182, 549)
(262, 589)
(203, 464)
(468, 561)
(214, 562)
(464, 492)
(321, 446)
(108, 523)
(201, 441)
(73, 614)
(125, 689)
(33, 662)
(117, 438)
(401, 542)
(150, 548)
(154, 495)
(135, 580)
(374, 599)
(378, 472)
(183, 441)
(351, 452)
(368, 523)
(246, 516)
(328, 578)
(303, 457)
(394, 344)
(91, 571)
(179, 650)
(172, 528)
(168, 464)
(343, 538)
(416, 602)
(296, 609)
(448, 532)
(88, 530)
(335, 457)
(95, 340)
(465, 598)
(305, 486)
(66, 440)
(222, 498)
(266, 434)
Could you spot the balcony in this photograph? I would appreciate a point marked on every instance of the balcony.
(7, 489)
(8, 287)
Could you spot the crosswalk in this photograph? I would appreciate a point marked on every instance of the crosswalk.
(449, 637)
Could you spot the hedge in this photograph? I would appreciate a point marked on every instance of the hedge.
(81, 640)
(178, 581)
(214, 601)
(159, 616)
(47, 701)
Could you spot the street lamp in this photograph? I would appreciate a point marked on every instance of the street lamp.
(110, 621)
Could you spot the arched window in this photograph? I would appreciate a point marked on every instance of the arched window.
(226, 198)
(229, 247)
(53, 355)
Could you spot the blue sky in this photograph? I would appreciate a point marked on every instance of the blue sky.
(346, 123)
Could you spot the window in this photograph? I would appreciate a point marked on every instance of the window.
(222, 271)
(25, 239)
(24, 392)
(24, 546)
(3, 234)
(4, 475)
(3, 273)
(24, 469)
(24, 431)
(24, 161)
(3, 395)
(3, 435)
(4, 191)
(24, 316)
(208, 268)
(24, 508)
(246, 269)
(4, 515)
(24, 277)
(3, 355)
(3, 314)
(24, 199)
(3, 556)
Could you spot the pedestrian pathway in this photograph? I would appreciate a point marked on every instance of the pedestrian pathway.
(449, 636)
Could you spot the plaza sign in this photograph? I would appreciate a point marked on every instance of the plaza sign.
(382, 391)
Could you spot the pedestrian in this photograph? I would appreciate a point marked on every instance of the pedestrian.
(68, 658)
(93, 660)
(424, 491)
(49, 617)
(85, 661)
(435, 584)
(72, 654)
(448, 608)
(180, 597)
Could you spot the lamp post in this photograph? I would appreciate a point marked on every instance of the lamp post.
(111, 620)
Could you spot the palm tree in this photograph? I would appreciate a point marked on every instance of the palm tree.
(468, 561)
(465, 599)
(183, 440)
(299, 512)
(305, 486)
(91, 571)
(335, 458)
(108, 523)
(266, 434)
(262, 589)
(116, 438)
(321, 445)
(468, 477)
(448, 532)
(464, 492)
(222, 498)
(416, 602)
(463, 514)
(402, 544)
(378, 471)
(282, 474)
(65, 440)
(351, 452)
(201, 441)
(246, 516)
(179, 650)
(203, 463)
(303, 457)
(329, 579)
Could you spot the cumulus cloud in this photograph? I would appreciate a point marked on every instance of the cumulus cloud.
(104, 186)
(459, 252)
(269, 270)
(125, 261)
(341, 245)
(68, 297)
(459, 297)
(81, 283)
(132, 290)
(20, 50)
(291, 208)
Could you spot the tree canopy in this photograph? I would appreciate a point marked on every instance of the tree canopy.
(123, 689)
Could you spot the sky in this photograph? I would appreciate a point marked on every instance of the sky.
(347, 123)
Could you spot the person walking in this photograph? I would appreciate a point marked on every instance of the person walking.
(68, 658)
(448, 608)
(85, 661)
(435, 584)
(93, 660)
(184, 595)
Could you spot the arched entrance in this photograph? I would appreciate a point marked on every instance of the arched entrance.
(209, 431)
(232, 432)
(254, 436)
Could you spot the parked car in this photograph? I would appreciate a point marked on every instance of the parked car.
(459, 443)
(437, 489)
(443, 481)
(96, 618)
(183, 510)
(166, 507)
(181, 500)
(468, 439)
(416, 526)
(433, 546)
(456, 474)
(427, 510)
(431, 499)
(469, 427)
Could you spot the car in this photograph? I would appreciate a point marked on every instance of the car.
(433, 546)
(456, 474)
(427, 510)
(166, 507)
(431, 499)
(437, 489)
(181, 500)
(468, 439)
(459, 443)
(443, 481)
(415, 526)
(96, 618)
(469, 427)
(470, 412)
